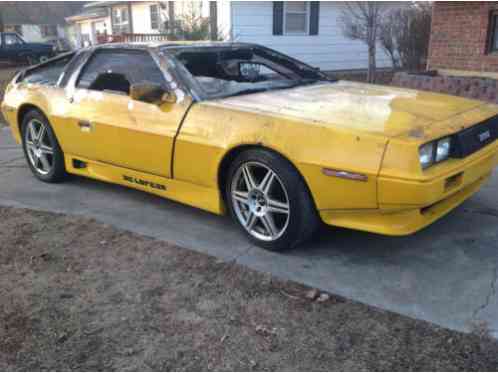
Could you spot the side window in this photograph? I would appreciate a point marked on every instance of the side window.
(117, 70)
(12, 39)
(47, 74)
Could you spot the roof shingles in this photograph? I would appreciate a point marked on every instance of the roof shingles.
(38, 13)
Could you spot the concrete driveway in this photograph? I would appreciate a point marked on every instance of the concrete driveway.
(446, 274)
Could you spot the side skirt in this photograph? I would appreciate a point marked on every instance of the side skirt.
(197, 196)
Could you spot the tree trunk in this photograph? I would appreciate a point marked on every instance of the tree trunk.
(372, 64)
(372, 38)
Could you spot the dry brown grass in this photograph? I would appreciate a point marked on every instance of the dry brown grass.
(80, 295)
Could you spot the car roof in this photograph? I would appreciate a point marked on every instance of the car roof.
(171, 44)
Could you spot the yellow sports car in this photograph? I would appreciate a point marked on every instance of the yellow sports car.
(245, 129)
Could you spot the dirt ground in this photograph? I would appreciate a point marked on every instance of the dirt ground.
(80, 295)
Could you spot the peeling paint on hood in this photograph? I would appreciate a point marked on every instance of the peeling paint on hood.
(383, 110)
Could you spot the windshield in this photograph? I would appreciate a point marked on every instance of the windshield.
(234, 70)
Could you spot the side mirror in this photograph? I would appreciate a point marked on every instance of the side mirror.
(151, 93)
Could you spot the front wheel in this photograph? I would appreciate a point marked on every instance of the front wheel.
(269, 200)
(41, 148)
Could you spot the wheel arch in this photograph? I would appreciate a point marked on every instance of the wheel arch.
(25, 109)
(230, 156)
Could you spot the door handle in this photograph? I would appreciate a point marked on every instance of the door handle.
(85, 125)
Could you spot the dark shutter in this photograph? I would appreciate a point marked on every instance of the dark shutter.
(278, 18)
(213, 20)
(314, 17)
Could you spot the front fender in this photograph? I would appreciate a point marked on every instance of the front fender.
(211, 131)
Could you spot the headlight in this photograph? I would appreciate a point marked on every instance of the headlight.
(426, 153)
(443, 149)
(434, 152)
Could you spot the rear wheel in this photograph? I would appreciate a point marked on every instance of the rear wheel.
(41, 148)
(269, 200)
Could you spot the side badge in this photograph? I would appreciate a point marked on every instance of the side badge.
(144, 183)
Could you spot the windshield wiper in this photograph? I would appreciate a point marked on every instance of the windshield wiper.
(248, 91)
(304, 82)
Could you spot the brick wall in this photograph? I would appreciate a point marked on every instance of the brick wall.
(459, 37)
(483, 89)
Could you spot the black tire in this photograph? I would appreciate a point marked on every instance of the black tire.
(303, 217)
(57, 172)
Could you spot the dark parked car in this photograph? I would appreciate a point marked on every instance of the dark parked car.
(14, 48)
(60, 45)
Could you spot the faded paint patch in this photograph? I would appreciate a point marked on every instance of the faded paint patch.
(388, 111)
(417, 133)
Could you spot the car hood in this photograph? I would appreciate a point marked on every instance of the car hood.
(388, 111)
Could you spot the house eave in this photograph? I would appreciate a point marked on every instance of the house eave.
(100, 4)
(103, 13)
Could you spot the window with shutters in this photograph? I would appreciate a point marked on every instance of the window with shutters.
(296, 17)
(120, 20)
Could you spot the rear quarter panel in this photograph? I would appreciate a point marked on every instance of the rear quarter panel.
(211, 130)
(50, 100)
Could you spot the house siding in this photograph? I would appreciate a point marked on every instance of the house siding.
(85, 28)
(141, 18)
(459, 36)
(252, 21)
(223, 17)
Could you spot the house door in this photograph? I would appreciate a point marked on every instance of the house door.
(98, 28)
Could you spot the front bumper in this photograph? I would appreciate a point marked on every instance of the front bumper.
(406, 206)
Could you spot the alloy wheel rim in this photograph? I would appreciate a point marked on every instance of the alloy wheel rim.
(260, 201)
(39, 147)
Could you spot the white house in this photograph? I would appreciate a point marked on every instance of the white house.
(307, 30)
(131, 17)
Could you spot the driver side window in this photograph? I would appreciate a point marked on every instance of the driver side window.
(12, 39)
(116, 70)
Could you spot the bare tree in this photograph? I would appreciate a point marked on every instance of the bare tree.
(360, 20)
(387, 31)
(404, 35)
